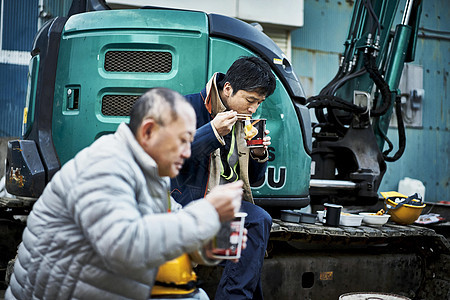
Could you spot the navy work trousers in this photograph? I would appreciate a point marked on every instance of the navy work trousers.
(242, 280)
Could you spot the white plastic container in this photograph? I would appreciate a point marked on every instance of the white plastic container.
(350, 220)
(371, 295)
(409, 186)
(320, 215)
(374, 219)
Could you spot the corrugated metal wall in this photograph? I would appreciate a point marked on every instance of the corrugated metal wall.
(428, 148)
(315, 56)
(18, 27)
(20, 20)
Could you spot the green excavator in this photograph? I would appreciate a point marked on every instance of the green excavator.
(89, 67)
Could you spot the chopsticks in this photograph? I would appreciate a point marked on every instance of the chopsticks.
(243, 116)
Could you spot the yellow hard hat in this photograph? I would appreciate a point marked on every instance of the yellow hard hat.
(175, 277)
(405, 210)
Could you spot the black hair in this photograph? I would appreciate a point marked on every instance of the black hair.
(251, 74)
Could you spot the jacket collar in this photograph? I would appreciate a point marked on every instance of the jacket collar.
(144, 160)
(211, 96)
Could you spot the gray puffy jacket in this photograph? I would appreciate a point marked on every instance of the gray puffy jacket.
(100, 229)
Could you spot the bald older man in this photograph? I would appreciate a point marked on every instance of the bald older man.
(101, 228)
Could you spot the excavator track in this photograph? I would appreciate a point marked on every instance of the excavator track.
(358, 236)
(314, 261)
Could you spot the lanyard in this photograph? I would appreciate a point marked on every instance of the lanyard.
(169, 203)
(233, 171)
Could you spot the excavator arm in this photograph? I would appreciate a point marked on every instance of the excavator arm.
(354, 109)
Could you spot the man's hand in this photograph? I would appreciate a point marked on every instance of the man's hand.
(226, 199)
(260, 152)
(224, 121)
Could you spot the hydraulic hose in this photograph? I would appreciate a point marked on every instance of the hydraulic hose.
(401, 135)
(333, 102)
(374, 73)
(387, 140)
(326, 96)
(377, 24)
(349, 46)
(341, 82)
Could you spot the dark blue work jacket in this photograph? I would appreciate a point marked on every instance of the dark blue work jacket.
(191, 182)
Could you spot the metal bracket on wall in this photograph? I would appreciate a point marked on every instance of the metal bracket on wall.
(411, 86)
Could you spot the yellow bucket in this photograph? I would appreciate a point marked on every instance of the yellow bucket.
(405, 214)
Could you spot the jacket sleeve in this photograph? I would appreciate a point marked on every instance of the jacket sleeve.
(104, 207)
(257, 169)
(197, 256)
(205, 142)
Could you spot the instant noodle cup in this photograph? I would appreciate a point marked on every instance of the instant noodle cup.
(255, 131)
(227, 244)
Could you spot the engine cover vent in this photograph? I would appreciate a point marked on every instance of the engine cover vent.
(118, 105)
(138, 61)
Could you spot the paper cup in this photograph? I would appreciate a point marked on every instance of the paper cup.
(255, 131)
(227, 244)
